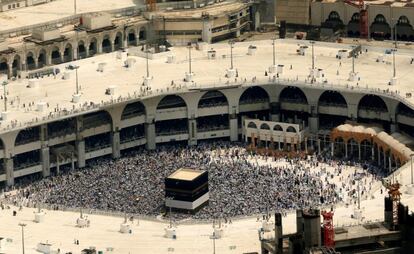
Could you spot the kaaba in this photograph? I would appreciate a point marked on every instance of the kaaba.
(187, 189)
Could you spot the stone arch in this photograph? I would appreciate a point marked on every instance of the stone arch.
(41, 58)
(332, 98)
(213, 99)
(4, 66)
(293, 94)
(339, 146)
(254, 94)
(264, 126)
(252, 125)
(68, 52)
(373, 103)
(366, 149)
(93, 46)
(352, 147)
(30, 60)
(16, 65)
(171, 101)
(131, 37)
(82, 50)
(333, 21)
(353, 27)
(106, 44)
(277, 127)
(55, 55)
(403, 117)
(404, 29)
(142, 34)
(133, 110)
(291, 129)
(118, 41)
(96, 119)
(403, 109)
(1, 144)
(380, 28)
(27, 135)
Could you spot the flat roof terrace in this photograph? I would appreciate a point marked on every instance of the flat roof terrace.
(209, 73)
(59, 9)
(186, 174)
(214, 10)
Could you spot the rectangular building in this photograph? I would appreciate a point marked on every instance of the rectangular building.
(187, 189)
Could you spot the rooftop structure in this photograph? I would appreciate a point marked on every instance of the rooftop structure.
(185, 174)
(396, 3)
(374, 69)
(56, 10)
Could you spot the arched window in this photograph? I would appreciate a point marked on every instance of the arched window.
(251, 125)
(403, 20)
(277, 128)
(265, 126)
(290, 129)
(333, 16)
(380, 19)
(355, 17)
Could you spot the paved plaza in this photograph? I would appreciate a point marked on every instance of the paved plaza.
(147, 235)
(209, 73)
(56, 10)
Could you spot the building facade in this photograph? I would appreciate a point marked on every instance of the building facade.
(383, 18)
(192, 116)
(7, 5)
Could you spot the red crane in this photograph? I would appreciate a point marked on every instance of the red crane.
(363, 16)
(328, 229)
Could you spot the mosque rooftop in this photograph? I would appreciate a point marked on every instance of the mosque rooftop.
(374, 68)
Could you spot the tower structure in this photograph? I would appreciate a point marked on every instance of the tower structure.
(328, 229)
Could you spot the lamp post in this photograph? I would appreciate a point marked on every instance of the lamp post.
(395, 32)
(313, 54)
(412, 156)
(170, 213)
(22, 225)
(393, 63)
(358, 178)
(231, 43)
(77, 79)
(189, 57)
(274, 51)
(4, 84)
(214, 242)
(353, 59)
(147, 56)
(74, 6)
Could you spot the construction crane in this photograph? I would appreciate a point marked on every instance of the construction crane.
(363, 16)
(395, 195)
(151, 5)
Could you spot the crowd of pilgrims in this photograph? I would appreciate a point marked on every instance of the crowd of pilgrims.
(240, 183)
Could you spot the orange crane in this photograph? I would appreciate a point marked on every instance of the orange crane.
(363, 16)
(151, 5)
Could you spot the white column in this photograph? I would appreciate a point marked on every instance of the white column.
(116, 149)
(45, 161)
(234, 128)
(9, 166)
(150, 136)
(80, 148)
